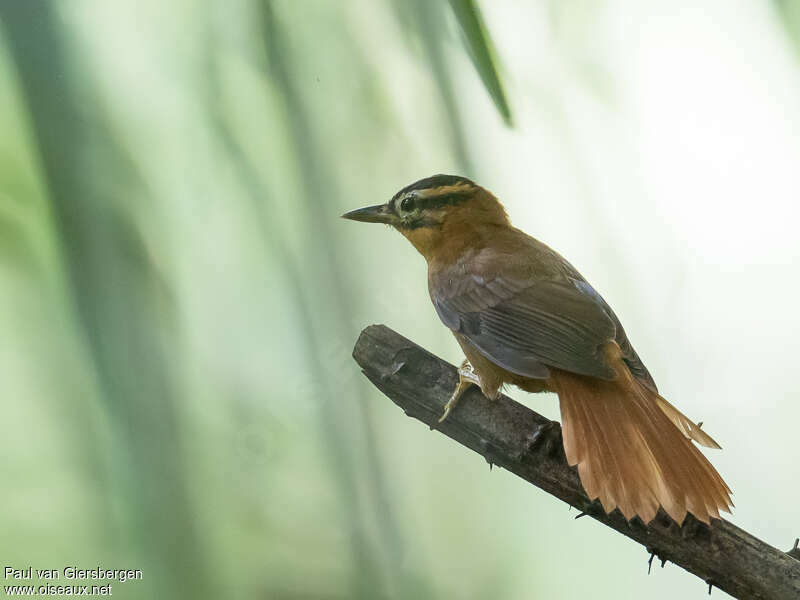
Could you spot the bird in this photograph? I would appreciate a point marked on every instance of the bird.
(524, 316)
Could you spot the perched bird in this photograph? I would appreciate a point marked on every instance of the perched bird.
(525, 316)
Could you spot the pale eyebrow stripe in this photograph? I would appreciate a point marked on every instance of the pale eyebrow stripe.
(447, 190)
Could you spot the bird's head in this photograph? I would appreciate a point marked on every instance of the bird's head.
(434, 209)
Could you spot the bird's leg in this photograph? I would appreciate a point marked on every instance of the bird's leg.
(466, 378)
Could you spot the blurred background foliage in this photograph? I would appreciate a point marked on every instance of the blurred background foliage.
(179, 300)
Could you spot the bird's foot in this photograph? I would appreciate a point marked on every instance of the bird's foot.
(466, 378)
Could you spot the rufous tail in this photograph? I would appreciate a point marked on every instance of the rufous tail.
(633, 449)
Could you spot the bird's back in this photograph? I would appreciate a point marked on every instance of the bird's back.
(493, 267)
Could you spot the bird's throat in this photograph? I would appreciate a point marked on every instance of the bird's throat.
(447, 242)
(425, 239)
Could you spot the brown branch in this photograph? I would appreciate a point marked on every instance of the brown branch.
(525, 443)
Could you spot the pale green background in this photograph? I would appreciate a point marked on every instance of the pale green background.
(654, 144)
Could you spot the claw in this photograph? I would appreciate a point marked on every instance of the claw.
(451, 403)
(795, 552)
(466, 378)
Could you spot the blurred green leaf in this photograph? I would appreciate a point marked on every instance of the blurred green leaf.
(118, 297)
(425, 20)
(789, 14)
(481, 51)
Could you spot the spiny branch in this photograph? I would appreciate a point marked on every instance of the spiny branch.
(525, 443)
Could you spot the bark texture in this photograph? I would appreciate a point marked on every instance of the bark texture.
(512, 436)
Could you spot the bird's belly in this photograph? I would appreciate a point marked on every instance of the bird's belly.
(492, 376)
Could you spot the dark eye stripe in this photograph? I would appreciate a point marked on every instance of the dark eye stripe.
(451, 199)
(412, 201)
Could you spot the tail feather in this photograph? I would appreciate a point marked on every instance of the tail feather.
(635, 455)
(688, 427)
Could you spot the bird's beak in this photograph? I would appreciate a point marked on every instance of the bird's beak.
(380, 213)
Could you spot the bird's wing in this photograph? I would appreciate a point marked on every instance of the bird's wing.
(629, 355)
(526, 325)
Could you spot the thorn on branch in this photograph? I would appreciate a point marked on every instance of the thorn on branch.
(795, 551)
(593, 509)
(409, 413)
(488, 452)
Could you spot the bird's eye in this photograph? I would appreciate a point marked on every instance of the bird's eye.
(407, 204)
